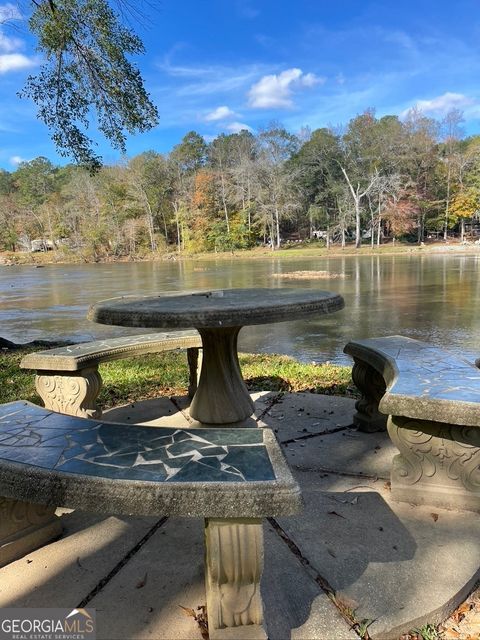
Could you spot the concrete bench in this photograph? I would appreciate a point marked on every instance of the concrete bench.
(231, 477)
(68, 380)
(432, 400)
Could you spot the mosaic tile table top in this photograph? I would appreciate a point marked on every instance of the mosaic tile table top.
(422, 381)
(221, 308)
(135, 469)
(75, 356)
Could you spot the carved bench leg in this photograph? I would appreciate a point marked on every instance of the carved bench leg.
(25, 526)
(72, 392)
(438, 465)
(234, 565)
(194, 359)
(372, 386)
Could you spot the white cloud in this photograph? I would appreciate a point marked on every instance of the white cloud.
(441, 105)
(8, 44)
(276, 90)
(16, 160)
(220, 113)
(10, 58)
(14, 62)
(9, 11)
(309, 80)
(209, 80)
(236, 127)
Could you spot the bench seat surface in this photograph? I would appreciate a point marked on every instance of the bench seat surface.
(66, 453)
(72, 357)
(414, 370)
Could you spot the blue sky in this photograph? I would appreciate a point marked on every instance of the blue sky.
(220, 65)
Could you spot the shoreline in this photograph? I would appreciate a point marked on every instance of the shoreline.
(8, 259)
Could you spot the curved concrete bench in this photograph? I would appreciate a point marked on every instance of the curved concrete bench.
(432, 400)
(68, 379)
(232, 477)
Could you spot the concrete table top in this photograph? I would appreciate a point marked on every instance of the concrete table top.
(221, 397)
(220, 308)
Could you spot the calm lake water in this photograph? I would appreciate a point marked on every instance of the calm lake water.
(431, 297)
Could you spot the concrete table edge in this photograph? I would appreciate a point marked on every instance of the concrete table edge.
(106, 311)
(452, 412)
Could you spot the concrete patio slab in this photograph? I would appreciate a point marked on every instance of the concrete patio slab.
(144, 599)
(295, 605)
(157, 412)
(349, 452)
(301, 414)
(62, 573)
(403, 566)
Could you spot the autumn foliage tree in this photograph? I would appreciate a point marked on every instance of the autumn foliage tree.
(401, 213)
(376, 179)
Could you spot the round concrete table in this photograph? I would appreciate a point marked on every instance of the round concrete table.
(221, 397)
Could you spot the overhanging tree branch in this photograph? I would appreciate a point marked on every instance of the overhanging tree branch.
(86, 72)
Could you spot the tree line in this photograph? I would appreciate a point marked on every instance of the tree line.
(372, 179)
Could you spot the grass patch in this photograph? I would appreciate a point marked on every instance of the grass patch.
(150, 376)
(16, 383)
(282, 373)
(166, 374)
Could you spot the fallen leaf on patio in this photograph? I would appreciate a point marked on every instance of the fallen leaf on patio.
(463, 609)
(142, 582)
(201, 618)
(451, 634)
(434, 516)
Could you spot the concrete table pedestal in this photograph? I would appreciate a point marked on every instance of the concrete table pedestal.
(233, 569)
(221, 396)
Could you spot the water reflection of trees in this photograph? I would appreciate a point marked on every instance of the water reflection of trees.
(431, 297)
